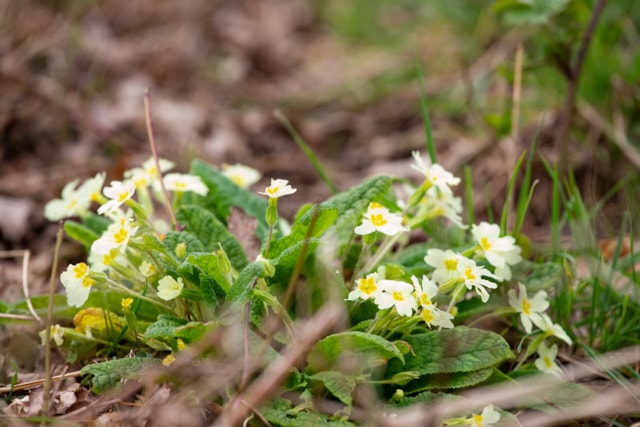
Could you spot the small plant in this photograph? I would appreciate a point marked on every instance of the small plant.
(395, 254)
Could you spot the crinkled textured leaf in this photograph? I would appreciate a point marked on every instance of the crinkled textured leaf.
(339, 384)
(240, 291)
(452, 380)
(543, 276)
(426, 397)
(211, 232)
(460, 349)
(223, 193)
(209, 263)
(164, 327)
(109, 373)
(151, 243)
(353, 351)
(322, 216)
(280, 412)
(288, 258)
(519, 12)
(192, 241)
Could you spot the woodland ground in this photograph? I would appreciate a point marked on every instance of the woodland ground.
(73, 75)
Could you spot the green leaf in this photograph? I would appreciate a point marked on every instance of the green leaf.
(241, 291)
(211, 232)
(80, 233)
(96, 223)
(460, 349)
(164, 327)
(193, 243)
(209, 263)
(353, 350)
(529, 12)
(339, 384)
(152, 244)
(108, 374)
(543, 276)
(280, 412)
(224, 193)
(426, 398)
(321, 218)
(452, 380)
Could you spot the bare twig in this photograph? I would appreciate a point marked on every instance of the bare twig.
(47, 349)
(264, 386)
(37, 383)
(572, 84)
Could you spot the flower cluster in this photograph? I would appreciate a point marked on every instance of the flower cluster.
(531, 312)
(128, 205)
(408, 299)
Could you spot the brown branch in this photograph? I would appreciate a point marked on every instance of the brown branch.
(572, 85)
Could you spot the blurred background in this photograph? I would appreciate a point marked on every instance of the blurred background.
(344, 72)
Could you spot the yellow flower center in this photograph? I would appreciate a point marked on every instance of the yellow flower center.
(120, 236)
(424, 299)
(375, 205)
(126, 303)
(378, 220)
(80, 270)
(168, 360)
(484, 242)
(272, 190)
(367, 286)
(397, 295)
(468, 272)
(123, 196)
(548, 362)
(238, 180)
(477, 418)
(451, 264)
(87, 282)
(526, 307)
(428, 316)
(72, 204)
(180, 185)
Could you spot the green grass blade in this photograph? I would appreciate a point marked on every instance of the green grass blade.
(468, 195)
(307, 151)
(424, 109)
(511, 188)
(527, 188)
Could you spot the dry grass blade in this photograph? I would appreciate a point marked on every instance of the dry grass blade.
(25, 254)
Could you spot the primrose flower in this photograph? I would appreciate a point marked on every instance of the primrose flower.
(435, 174)
(366, 288)
(425, 291)
(57, 334)
(117, 192)
(488, 417)
(148, 173)
(378, 218)
(546, 362)
(528, 308)
(242, 175)
(169, 288)
(183, 182)
(472, 275)
(501, 252)
(278, 188)
(445, 263)
(446, 204)
(103, 262)
(396, 294)
(433, 316)
(116, 236)
(77, 283)
(544, 322)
